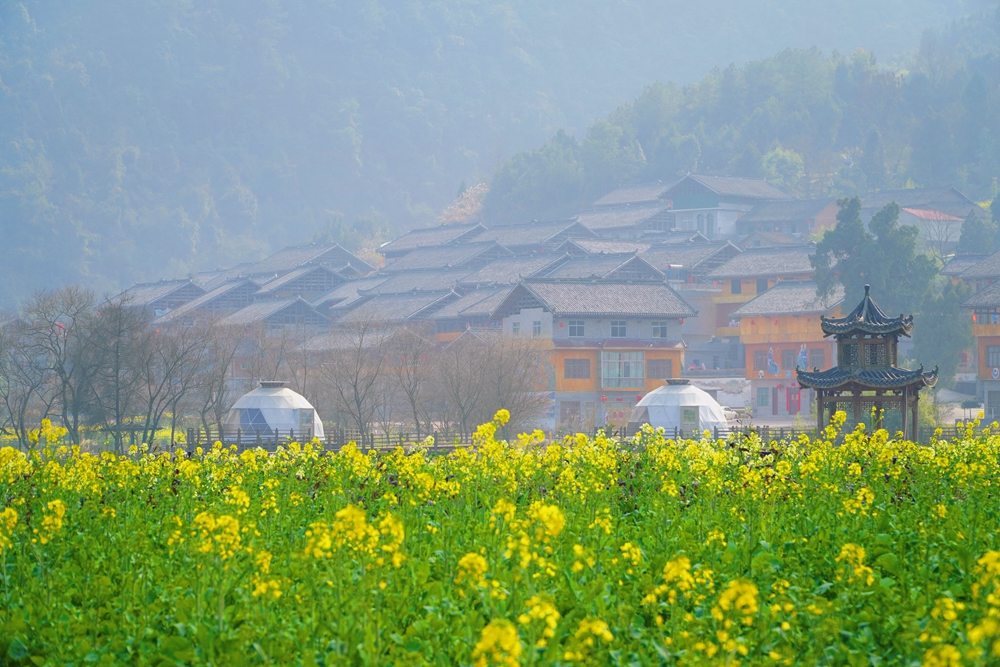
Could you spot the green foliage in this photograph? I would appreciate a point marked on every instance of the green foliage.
(883, 256)
(943, 330)
(695, 552)
(977, 234)
(826, 125)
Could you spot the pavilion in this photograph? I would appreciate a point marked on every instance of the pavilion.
(866, 377)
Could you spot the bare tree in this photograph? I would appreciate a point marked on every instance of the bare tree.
(25, 386)
(353, 369)
(213, 388)
(121, 348)
(412, 368)
(514, 378)
(169, 372)
(58, 332)
(459, 380)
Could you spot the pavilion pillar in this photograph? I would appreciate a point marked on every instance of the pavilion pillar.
(819, 411)
(857, 406)
(916, 405)
(903, 407)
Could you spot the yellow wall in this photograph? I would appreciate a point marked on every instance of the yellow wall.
(781, 329)
(558, 356)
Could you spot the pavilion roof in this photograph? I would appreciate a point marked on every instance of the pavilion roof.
(867, 318)
(871, 378)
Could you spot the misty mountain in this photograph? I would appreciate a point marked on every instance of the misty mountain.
(155, 137)
(814, 124)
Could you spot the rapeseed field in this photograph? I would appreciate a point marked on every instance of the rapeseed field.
(850, 549)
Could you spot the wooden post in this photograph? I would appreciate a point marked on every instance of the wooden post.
(916, 406)
(239, 437)
(904, 400)
(857, 406)
(819, 411)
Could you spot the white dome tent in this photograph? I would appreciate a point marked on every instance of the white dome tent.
(274, 407)
(678, 405)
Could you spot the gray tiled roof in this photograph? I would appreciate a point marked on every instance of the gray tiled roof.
(444, 256)
(261, 310)
(606, 299)
(634, 194)
(610, 247)
(988, 267)
(510, 270)
(206, 298)
(945, 196)
(145, 293)
(614, 218)
(430, 236)
(791, 210)
(398, 307)
(791, 297)
(988, 297)
(756, 262)
(290, 258)
(212, 279)
(532, 234)
(600, 266)
(958, 264)
(760, 239)
(277, 283)
(479, 302)
(688, 256)
(867, 318)
(740, 187)
(349, 291)
(401, 282)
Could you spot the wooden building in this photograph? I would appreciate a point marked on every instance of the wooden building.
(866, 383)
(609, 343)
(781, 331)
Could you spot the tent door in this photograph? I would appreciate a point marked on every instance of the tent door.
(689, 420)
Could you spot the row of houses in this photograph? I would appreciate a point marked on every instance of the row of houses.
(709, 275)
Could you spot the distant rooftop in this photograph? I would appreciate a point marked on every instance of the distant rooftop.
(758, 262)
(791, 297)
(645, 193)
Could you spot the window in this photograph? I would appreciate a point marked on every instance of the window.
(659, 329)
(760, 360)
(763, 397)
(569, 411)
(701, 223)
(536, 328)
(993, 356)
(787, 359)
(516, 326)
(622, 370)
(875, 354)
(660, 369)
(817, 358)
(710, 226)
(618, 329)
(736, 287)
(761, 285)
(849, 354)
(576, 328)
(576, 369)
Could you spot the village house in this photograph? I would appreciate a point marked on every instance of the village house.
(712, 205)
(781, 330)
(609, 343)
(751, 273)
(795, 217)
(985, 307)
(161, 297)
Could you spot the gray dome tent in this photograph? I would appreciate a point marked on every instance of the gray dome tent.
(678, 405)
(274, 407)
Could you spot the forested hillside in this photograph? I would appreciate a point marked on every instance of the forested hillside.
(150, 138)
(812, 123)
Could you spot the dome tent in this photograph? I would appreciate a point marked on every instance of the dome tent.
(678, 405)
(274, 407)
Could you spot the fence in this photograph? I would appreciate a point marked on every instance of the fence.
(333, 439)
